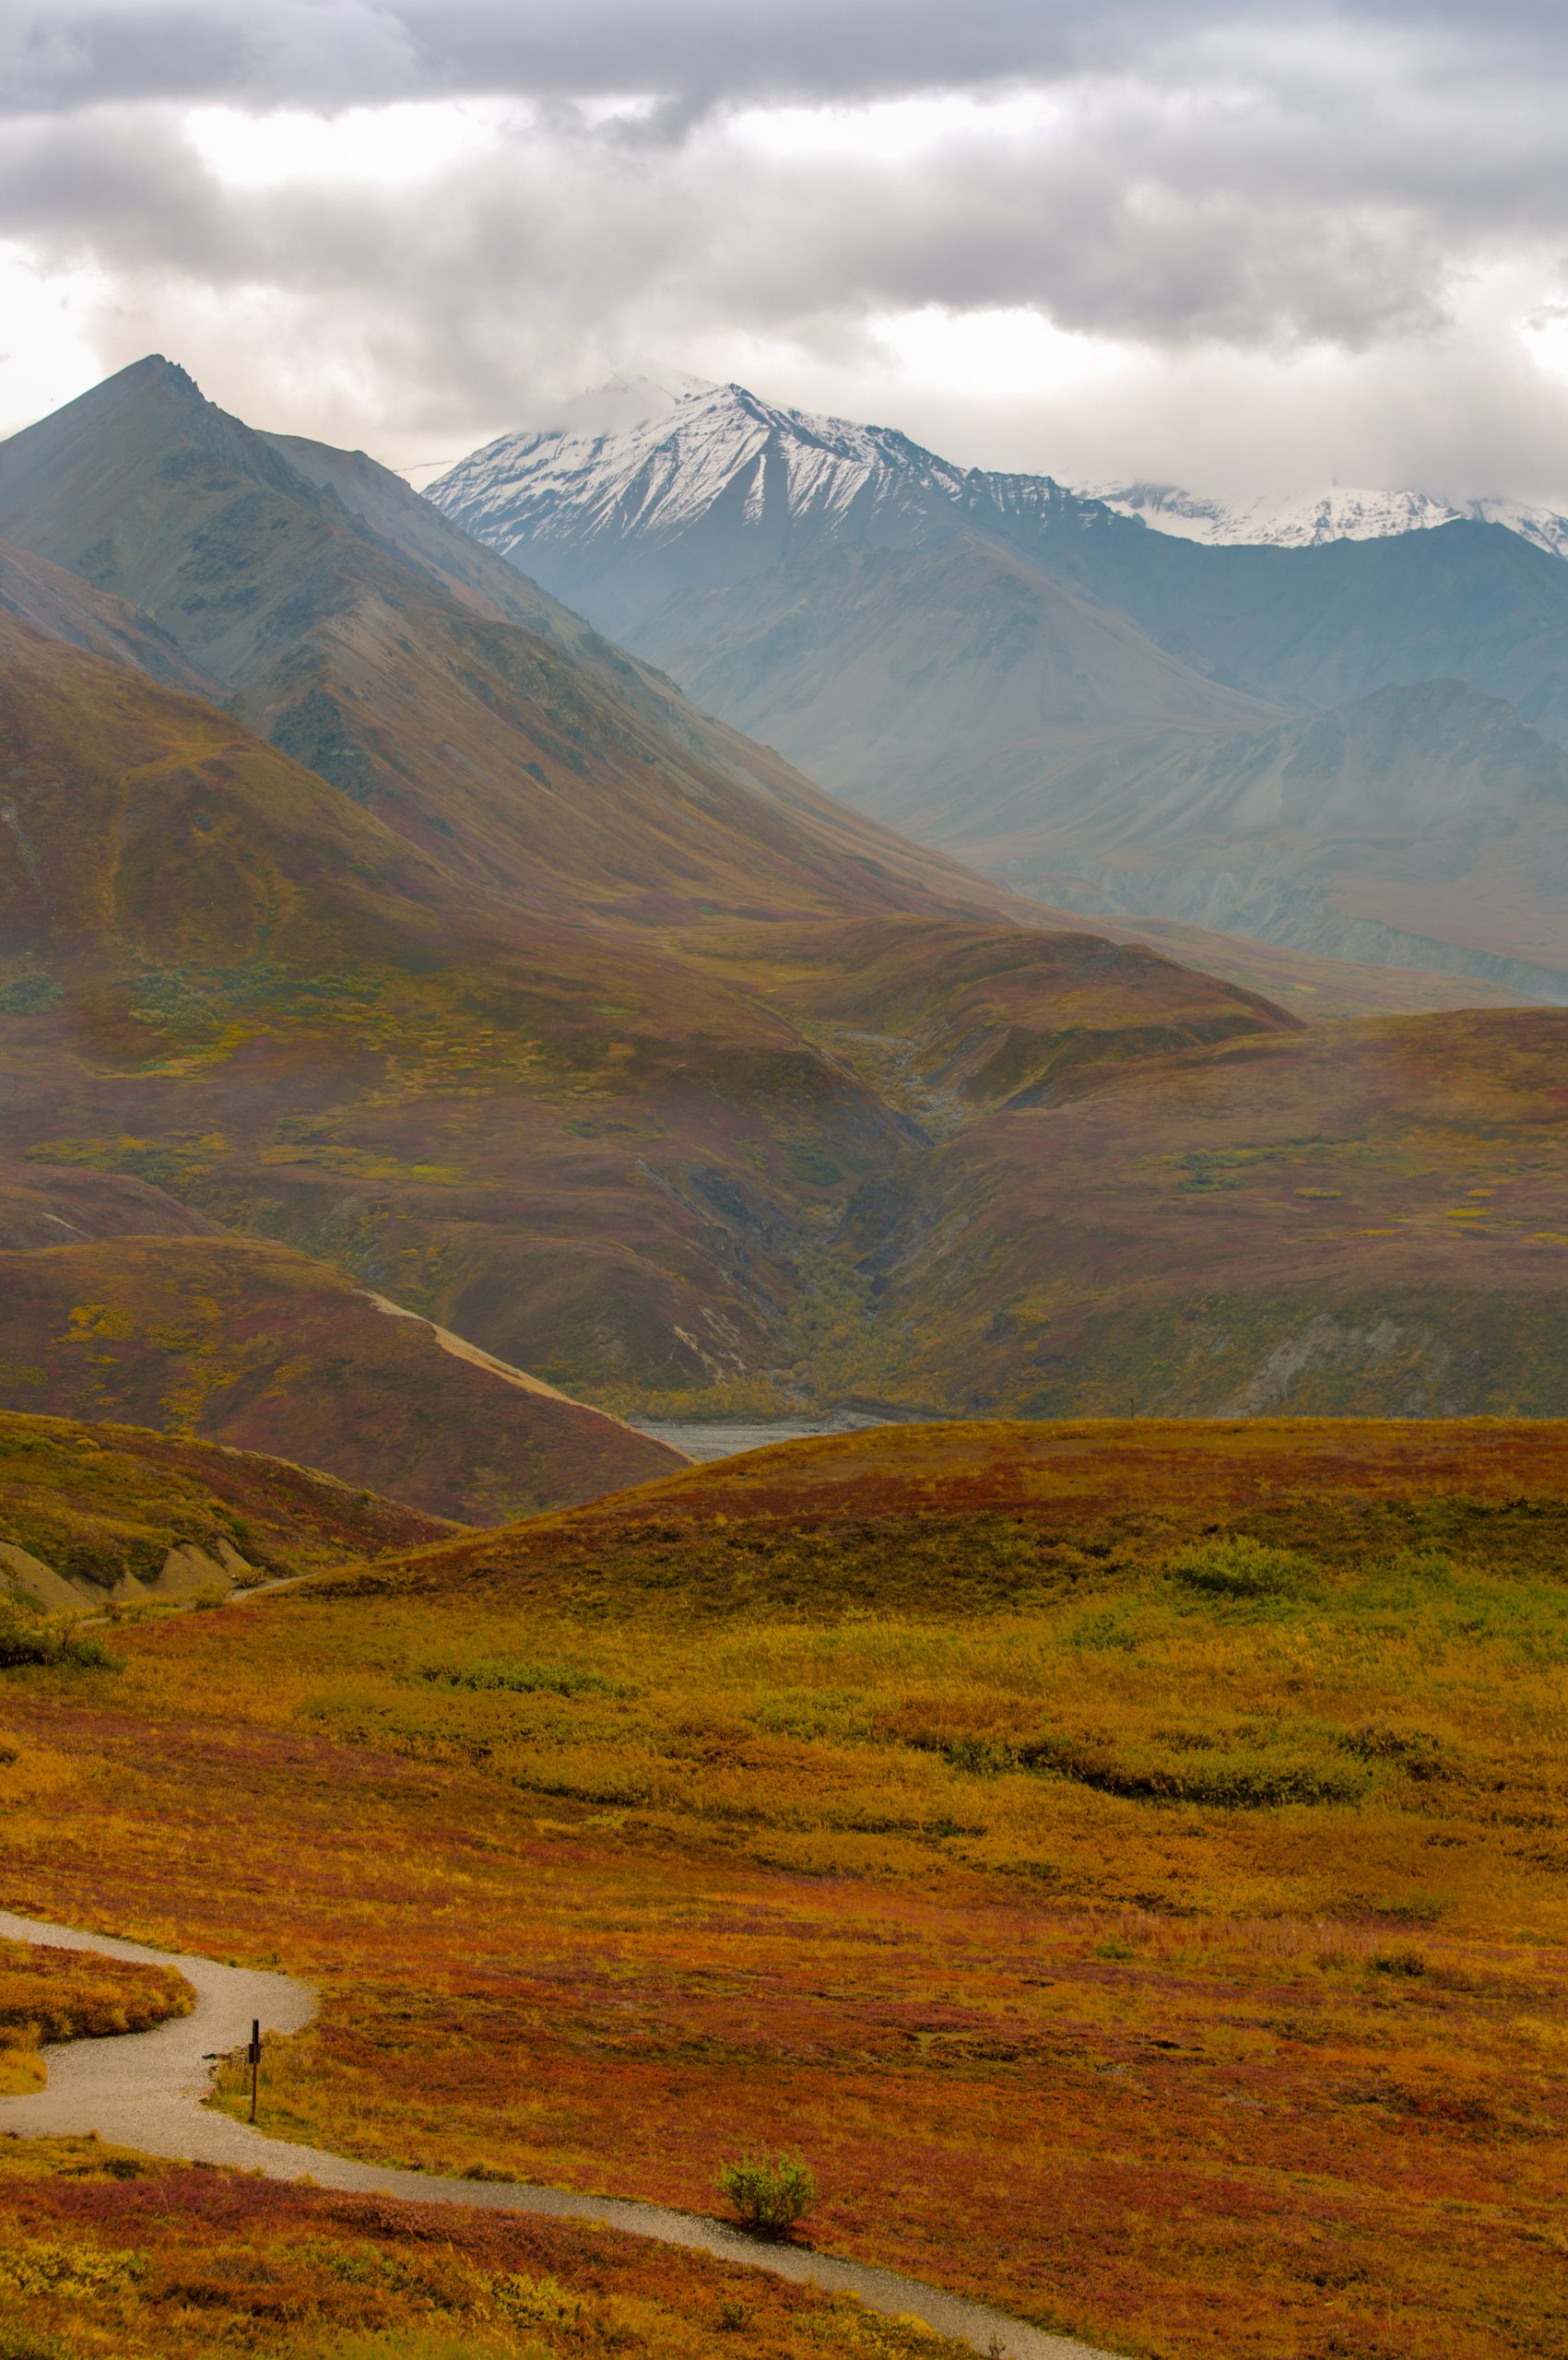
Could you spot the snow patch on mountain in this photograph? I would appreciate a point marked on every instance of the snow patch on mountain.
(1306, 520)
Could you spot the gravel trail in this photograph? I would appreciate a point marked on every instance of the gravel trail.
(144, 2090)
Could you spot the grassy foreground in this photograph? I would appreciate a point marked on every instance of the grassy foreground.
(1126, 1864)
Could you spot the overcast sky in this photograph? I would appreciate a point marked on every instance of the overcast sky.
(1249, 246)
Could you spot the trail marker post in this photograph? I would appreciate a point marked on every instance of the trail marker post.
(255, 2063)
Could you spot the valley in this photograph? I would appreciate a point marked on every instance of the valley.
(784, 1182)
(453, 954)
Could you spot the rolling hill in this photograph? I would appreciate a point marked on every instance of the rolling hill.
(1035, 1828)
(99, 1513)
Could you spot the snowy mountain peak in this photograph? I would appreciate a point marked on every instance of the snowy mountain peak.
(711, 460)
(1306, 520)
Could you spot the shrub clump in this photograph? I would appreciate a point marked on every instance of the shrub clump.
(1236, 1566)
(523, 1679)
(767, 2197)
(30, 996)
(26, 1638)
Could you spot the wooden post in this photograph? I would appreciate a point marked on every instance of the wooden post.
(255, 2062)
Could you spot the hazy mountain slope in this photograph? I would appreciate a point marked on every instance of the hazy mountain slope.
(721, 487)
(951, 649)
(881, 671)
(1321, 626)
(1426, 824)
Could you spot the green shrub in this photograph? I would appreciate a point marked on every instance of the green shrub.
(30, 996)
(768, 2198)
(1409, 1962)
(523, 1679)
(1235, 1566)
(25, 1639)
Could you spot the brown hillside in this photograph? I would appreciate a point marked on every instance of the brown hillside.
(246, 1343)
(601, 1158)
(45, 1204)
(1364, 1219)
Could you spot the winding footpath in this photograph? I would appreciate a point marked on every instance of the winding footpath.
(144, 2090)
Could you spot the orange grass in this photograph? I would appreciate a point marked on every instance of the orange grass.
(52, 1994)
(1194, 2079)
(105, 2252)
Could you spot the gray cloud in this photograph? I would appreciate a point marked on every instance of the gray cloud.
(1264, 180)
(339, 52)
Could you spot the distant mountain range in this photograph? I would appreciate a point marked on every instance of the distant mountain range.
(1017, 671)
(1302, 520)
(378, 938)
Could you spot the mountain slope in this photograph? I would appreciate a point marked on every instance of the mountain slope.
(369, 642)
(1424, 824)
(642, 1078)
(598, 1158)
(720, 487)
(348, 1047)
(886, 671)
(60, 605)
(1349, 1220)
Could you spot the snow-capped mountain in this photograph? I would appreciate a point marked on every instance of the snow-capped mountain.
(657, 483)
(713, 485)
(1306, 520)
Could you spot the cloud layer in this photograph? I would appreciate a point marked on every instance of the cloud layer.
(1142, 236)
